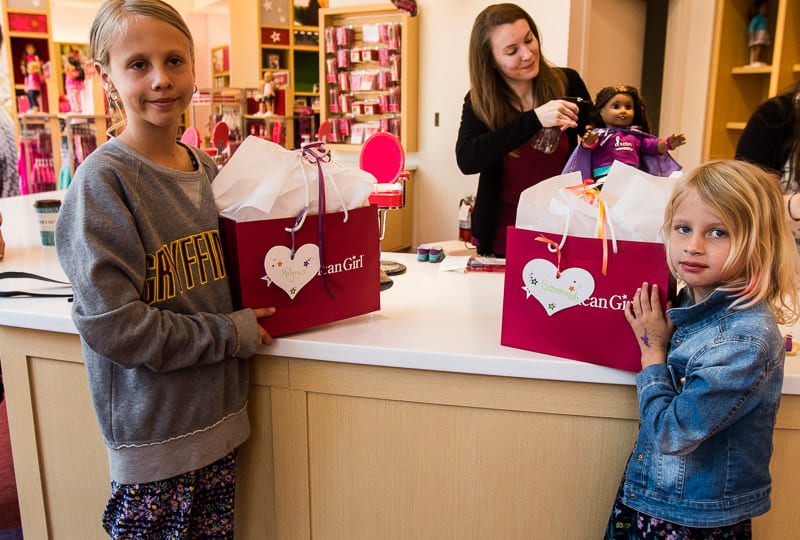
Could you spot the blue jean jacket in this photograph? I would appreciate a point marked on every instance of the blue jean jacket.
(702, 455)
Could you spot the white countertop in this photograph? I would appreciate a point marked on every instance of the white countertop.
(432, 320)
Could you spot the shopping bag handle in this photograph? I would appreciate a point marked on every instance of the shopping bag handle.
(28, 275)
(316, 153)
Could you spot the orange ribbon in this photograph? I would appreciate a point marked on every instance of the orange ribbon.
(557, 248)
(591, 195)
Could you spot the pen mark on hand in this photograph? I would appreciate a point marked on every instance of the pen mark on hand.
(645, 339)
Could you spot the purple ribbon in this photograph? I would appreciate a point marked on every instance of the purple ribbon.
(317, 153)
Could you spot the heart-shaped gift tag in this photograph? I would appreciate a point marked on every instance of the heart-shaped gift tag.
(290, 274)
(572, 287)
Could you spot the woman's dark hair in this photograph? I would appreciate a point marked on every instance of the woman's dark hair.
(605, 95)
(492, 99)
(794, 153)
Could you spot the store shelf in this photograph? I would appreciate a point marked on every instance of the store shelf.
(369, 74)
(737, 89)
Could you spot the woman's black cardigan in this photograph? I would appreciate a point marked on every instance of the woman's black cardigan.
(480, 150)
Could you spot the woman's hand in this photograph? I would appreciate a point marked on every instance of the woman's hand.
(558, 112)
(650, 323)
(263, 336)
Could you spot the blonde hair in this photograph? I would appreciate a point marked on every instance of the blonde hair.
(493, 101)
(110, 23)
(763, 253)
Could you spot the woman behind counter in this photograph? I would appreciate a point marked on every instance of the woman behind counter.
(514, 93)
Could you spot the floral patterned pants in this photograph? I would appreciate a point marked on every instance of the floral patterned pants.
(626, 523)
(197, 504)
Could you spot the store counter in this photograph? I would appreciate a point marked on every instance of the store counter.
(410, 422)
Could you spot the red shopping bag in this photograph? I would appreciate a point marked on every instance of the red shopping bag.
(565, 306)
(330, 278)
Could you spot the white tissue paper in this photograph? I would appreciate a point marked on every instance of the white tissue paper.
(263, 180)
(634, 204)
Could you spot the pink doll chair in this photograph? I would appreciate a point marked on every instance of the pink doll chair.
(382, 155)
(191, 137)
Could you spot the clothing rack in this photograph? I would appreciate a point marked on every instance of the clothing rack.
(36, 162)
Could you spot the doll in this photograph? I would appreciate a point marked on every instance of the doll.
(267, 97)
(74, 76)
(33, 84)
(619, 131)
(758, 32)
(31, 68)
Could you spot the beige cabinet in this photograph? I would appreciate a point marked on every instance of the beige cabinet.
(353, 451)
(736, 88)
(369, 73)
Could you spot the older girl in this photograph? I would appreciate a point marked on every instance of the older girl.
(165, 353)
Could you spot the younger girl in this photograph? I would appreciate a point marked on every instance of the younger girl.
(138, 237)
(712, 366)
(620, 131)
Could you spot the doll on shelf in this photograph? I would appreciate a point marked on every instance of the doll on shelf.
(266, 99)
(758, 33)
(74, 77)
(31, 68)
(33, 84)
(619, 131)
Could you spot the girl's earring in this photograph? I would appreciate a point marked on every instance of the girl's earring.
(117, 113)
(195, 89)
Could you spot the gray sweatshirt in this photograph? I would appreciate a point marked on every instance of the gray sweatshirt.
(164, 351)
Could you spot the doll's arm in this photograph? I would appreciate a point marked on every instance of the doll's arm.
(671, 143)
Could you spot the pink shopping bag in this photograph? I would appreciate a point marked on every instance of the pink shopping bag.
(328, 279)
(568, 307)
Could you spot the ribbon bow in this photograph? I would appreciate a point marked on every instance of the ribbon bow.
(590, 193)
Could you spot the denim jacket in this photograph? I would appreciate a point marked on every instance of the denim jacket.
(702, 455)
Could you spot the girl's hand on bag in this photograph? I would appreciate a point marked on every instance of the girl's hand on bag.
(263, 336)
(650, 324)
(558, 112)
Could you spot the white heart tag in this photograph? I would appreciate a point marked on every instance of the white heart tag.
(556, 293)
(289, 274)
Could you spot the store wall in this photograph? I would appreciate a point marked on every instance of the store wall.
(600, 38)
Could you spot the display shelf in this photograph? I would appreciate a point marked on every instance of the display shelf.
(82, 134)
(38, 160)
(230, 106)
(270, 127)
(736, 88)
(29, 22)
(289, 40)
(220, 66)
(368, 75)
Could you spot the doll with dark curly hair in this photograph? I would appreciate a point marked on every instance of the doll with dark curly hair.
(620, 131)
